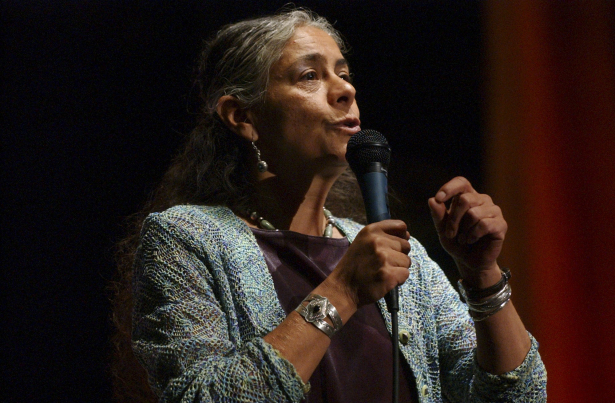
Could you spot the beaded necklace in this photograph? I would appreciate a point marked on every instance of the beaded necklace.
(264, 224)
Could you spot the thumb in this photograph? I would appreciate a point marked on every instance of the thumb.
(438, 212)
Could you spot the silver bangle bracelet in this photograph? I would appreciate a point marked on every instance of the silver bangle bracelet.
(315, 312)
(477, 317)
(491, 303)
(481, 310)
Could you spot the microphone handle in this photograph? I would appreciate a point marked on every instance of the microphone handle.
(392, 300)
(374, 187)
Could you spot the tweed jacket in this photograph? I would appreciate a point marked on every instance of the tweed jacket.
(204, 299)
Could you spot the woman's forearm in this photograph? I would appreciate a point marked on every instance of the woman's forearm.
(502, 340)
(302, 343)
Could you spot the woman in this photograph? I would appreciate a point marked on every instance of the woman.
(227, 311)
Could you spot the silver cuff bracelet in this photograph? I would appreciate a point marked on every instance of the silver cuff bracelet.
(315, 312)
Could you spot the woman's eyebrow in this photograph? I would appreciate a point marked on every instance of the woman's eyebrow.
(342, 62)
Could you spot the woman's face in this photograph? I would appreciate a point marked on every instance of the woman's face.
(310, 111)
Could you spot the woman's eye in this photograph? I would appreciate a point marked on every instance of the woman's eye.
(347, 77)
(311, 75)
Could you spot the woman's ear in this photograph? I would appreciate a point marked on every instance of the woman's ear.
(236, 118)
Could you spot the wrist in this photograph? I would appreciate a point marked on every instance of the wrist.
(485, 302)
(339, 295)
(481, 279)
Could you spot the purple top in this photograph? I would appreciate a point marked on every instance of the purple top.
(357, 364)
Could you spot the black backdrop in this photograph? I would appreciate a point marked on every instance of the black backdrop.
(95, 100)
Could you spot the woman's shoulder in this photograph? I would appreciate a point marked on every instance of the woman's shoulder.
(206, 229)
(187, 215)
(193, 211)
(194, 220)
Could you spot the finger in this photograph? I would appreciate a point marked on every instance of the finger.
(399, 260)
(394, 276)
(495, 228)
(454, 187)
(401, 275)
(438, 213)
(402, 260)
(475, 214)
(387, 242)
(405, 246)
(460, 205)
(396, 228)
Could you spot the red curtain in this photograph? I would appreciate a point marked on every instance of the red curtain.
(551, 166)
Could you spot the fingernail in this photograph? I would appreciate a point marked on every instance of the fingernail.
(440, 196)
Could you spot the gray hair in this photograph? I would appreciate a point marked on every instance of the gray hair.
(238, 59)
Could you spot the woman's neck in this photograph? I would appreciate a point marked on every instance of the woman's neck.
(294, 204)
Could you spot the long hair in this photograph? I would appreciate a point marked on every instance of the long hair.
(212, 166)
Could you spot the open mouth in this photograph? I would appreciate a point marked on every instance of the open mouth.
(350, 124)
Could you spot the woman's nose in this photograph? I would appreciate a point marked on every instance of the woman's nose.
(341, 91)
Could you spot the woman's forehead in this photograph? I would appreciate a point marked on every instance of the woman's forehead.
(310, 44)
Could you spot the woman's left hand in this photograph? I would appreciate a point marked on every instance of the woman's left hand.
(471, 229)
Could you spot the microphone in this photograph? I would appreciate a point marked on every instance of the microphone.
(368, 154)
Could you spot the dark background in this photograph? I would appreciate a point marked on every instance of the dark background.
(95, 99)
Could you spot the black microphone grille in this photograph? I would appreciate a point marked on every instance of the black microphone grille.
(368, 146)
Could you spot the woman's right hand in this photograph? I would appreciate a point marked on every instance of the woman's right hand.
(376, 262)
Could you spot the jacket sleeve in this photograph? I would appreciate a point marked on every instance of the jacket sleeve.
(182, 327)
(462, 378)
